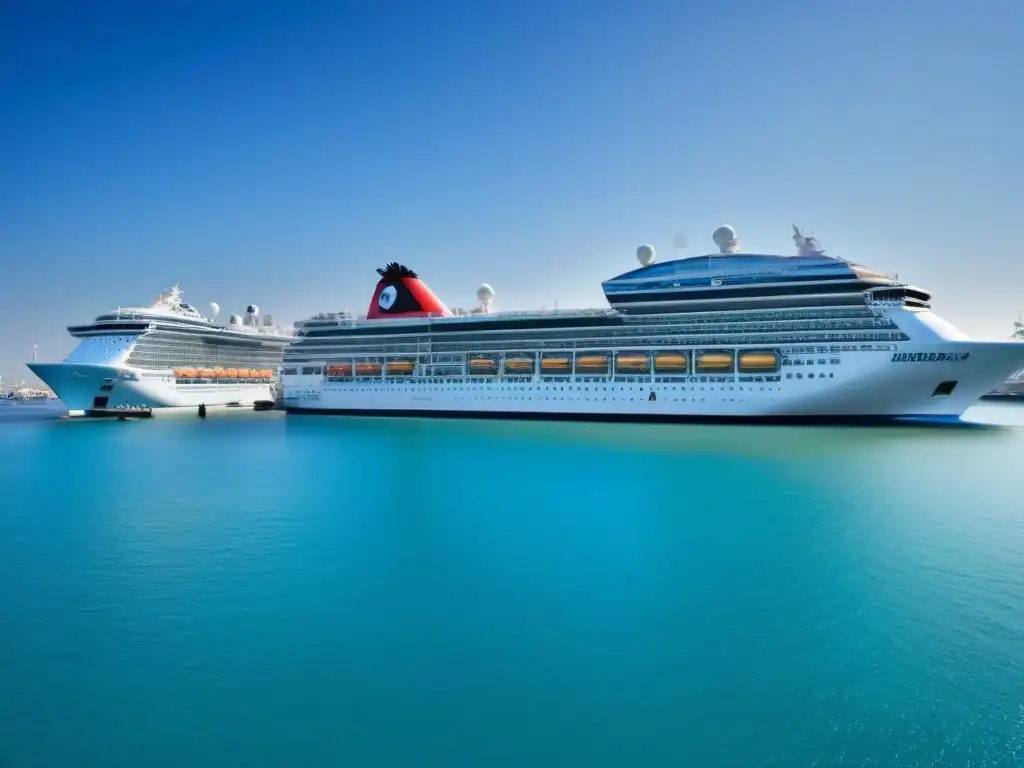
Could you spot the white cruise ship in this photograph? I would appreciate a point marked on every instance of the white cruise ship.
(725, 336)
(167, 355)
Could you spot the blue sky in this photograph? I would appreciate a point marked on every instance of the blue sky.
(278, 153)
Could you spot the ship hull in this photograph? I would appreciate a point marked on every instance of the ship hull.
(83, 388)
(911, 383)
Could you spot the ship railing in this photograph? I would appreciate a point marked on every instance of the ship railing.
(469, 316)
(208, 325)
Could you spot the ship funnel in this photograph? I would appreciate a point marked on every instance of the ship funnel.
(401, 293)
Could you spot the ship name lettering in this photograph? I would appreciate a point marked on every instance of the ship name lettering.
(929, 357)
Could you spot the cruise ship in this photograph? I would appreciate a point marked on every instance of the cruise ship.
(168, 355)
(725, 336)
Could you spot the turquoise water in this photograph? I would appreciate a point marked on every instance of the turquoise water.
(266, 591)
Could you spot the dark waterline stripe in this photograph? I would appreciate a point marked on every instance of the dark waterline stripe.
(917, 420)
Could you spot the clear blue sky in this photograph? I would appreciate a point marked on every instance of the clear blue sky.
(280, 152)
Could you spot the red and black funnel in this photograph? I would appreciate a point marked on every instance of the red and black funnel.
(400, 293)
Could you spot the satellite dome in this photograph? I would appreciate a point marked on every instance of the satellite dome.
(725, 239)
(253, 310)
(486, 295)
(236, 320)
(214, 308)
(645, 255)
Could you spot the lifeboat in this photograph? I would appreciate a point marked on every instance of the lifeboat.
(670, 362)
(519, 365)
(340, 369)
(555, 365)
(179, 373)
(243, 373)
(592, 364)
(717, 362)
(188, 373)
(482, 365)
(399, 367)
(231, 373)
(206, 373)
(632, 361)
(368, 368)
(758, 360)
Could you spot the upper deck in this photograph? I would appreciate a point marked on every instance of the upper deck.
(169, 312)
(730, 280)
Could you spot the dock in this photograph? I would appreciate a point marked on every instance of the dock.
(122, 414)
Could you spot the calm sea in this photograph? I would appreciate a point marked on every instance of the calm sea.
(257, 590)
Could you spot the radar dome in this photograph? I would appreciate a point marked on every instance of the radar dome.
(725, 239)
(486, 295)
(214, 308)
(253, 310)
(236, 320)
(645, 255)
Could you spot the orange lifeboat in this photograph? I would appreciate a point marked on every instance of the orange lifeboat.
(338, 369)
(399, 367)
(367, 369)
(206, 373)
(519, 365)
(670, 362)
(179, 373)
(632, 361)
(231, 373)
(188, 373)
(483, 365)
(758, 360)
(718, 362)
(555, 364)
(592, 363)
(243, 373)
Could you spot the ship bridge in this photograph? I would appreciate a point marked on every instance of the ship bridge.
(731, 279)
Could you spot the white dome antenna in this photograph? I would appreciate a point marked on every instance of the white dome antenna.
(646, 255)
(214, 309)
(726, 240)
(486, 295)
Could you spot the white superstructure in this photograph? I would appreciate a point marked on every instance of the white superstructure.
(730, 335)
(167, 355)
